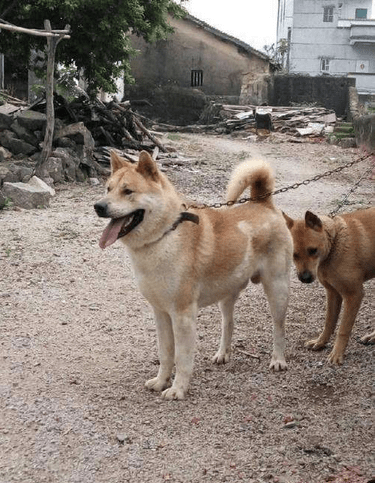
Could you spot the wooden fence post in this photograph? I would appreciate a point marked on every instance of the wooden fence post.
(50, 111)
(53, 38)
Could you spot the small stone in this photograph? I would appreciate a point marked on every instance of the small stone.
(123, 438)
(291, 424)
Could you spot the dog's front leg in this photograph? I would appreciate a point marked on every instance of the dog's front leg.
(334, 301)
(184, 330)
(352, 304)
(166, 352)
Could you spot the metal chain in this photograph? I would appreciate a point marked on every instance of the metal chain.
(352, 189)
(281, 190)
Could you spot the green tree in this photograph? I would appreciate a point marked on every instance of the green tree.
(277, 52)
(99, 44)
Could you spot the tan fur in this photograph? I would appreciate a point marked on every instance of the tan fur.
(178, 271)
(340, 252)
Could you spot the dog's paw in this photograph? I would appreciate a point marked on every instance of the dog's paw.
(221, 357)
(315, 344)
(156, 384)
(173, 393)
(278, 365)
(368, 338)
(336, 357)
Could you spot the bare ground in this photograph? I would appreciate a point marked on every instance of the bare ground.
(78, 342)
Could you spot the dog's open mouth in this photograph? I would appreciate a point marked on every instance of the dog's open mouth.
(119, 227)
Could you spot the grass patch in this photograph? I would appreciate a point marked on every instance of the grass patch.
(174, 136)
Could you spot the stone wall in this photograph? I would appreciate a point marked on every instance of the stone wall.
(327, 91)
(364, 127)
(171, 104)
(21, 138)
(255, 87)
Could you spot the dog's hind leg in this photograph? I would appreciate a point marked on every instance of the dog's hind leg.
(352, 303)
(184, 331)
(166, 352)
(334, 301)
(226, 305)
(276, 287)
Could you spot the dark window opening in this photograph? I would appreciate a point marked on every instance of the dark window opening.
(196, 78)
(324, 64)
(328, 14)
(361, 13)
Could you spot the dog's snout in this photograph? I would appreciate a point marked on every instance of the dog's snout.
(101, 209)
(306, 277)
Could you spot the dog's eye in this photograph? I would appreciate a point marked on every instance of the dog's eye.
(295, 256)
(127, 191)
(108, 189)
(312, 251)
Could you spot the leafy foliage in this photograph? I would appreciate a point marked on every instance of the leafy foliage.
(277, 52)
(99, 43)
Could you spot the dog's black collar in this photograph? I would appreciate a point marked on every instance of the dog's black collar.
(185, 216)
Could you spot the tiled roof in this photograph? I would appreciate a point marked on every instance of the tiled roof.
(226, 37)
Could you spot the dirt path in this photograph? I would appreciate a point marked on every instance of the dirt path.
(78, 342)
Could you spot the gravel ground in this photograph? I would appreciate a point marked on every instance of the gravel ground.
(78, 342)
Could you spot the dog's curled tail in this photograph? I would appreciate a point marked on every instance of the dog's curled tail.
(255, 174)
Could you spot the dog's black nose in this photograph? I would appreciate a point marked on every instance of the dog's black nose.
(101, 208)
(306, 277)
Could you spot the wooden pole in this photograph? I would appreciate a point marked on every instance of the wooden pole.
(36, 32)
(50, 111)
(53, 38)
(148, 134)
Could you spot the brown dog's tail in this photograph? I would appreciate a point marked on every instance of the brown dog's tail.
(255, 174)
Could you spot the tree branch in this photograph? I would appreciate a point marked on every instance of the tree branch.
(38, 33)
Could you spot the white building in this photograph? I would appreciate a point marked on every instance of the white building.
(331, 38)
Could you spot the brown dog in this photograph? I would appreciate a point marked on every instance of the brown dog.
(339, 251)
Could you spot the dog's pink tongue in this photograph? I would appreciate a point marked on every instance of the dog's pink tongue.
(110, 234)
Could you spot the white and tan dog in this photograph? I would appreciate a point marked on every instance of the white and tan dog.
(186, 260)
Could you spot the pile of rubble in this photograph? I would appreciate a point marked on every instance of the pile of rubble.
(82, 128)
(84, 132)
(290, 121)
(299, 121)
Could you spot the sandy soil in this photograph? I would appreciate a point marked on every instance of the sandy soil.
(78, 342)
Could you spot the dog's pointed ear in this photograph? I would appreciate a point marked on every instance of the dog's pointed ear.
(117, 162)
(312, 221)
(289, 221)
(147, 166)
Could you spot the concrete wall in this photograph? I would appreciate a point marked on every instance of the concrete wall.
(192, 47)
(326, 91)
(284, 18)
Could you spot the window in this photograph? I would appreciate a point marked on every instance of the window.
(360, 13)
(324, 64)
(339, 8)
(196, 78)
(328, 14)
